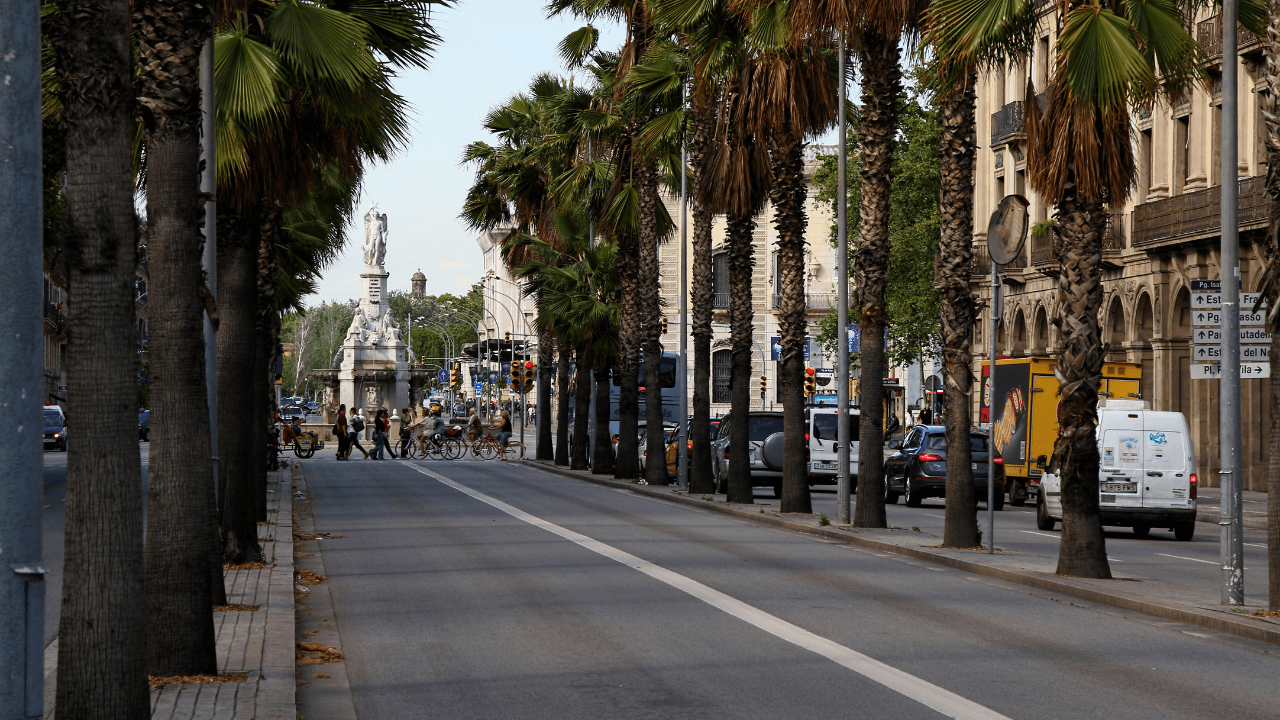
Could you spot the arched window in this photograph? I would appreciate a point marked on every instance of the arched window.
(721, 370)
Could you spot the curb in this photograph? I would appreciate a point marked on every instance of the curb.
(1256, 629)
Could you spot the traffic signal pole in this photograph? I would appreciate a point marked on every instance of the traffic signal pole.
(842, 312)
(21, 335)
(1232, 538)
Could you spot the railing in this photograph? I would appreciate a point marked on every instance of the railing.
(982, 260)
(815, 152)
(812, 301)
(1006, 123)
(1113, 236)
(1043, 249)
(1209, 37)
(1197, 213)
(720, 301)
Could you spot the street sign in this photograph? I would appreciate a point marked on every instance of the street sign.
(1206, 301)
(1206, 285)
(1247, 300)
(1253, 336)
(1248, 370)
(1206, 317)
(477, 387)
(1203, 335)
(1206, 353)
(442, 376)
(1255, 353)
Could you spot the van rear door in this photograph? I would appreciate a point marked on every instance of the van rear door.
(1121, 469)
(1166, 481)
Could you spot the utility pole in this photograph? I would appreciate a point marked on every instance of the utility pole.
(209, 188)
(842, 320)
(21, 295)
(1232, 539)
(682, 373)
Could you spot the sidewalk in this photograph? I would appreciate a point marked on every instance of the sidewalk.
(257, 642)
(1187, 604)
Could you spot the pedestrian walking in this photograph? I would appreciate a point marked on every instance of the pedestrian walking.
(357, 427)
(926, 417)
(381, 427)
(340, 432)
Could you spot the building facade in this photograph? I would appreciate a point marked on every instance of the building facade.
(1165, 236)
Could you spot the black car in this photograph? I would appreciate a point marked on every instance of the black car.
(55, 429)
(144, 426)
(918, 469)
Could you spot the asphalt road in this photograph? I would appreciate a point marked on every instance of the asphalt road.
(491, 590)
(54, 527)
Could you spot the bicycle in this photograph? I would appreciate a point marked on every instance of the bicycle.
(445, 448)
(488, 448)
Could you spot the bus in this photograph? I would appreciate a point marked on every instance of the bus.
(670, 393)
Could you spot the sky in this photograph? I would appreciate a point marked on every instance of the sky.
(491, 50)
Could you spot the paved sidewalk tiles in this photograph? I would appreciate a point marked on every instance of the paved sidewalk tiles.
(1191, 605)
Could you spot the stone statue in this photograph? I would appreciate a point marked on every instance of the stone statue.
(328, 398)
(373, 397)
(358, 331)
(375, 237)
(390, 330)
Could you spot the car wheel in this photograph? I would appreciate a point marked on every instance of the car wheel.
(777, 489)
(998, 505)
(1141, 530)
(913, 498)
(1183, 532)
(1043, 521)
(1018, 494)
(890, 497)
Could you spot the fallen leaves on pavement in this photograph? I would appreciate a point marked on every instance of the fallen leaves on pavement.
(310, 653)
(159, 682)
(235, 608)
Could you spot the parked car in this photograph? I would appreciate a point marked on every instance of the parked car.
(144, 426)
(312, 406)
(823, 453)
(1147, 473)
(668, 444)
(760, 425)
(918, 469)
(294, 412)
(55, 428)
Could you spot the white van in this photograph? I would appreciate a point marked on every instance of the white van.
(1147, 474)
(823, 455)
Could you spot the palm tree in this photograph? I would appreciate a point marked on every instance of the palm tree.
(102, 649)
(1080, 159)
(301, 96)
(875, 30)
(793, 95)
(180, 490)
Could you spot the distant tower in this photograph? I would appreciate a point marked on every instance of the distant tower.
(419, 284)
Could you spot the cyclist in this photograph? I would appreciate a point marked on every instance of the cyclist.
(502, 425)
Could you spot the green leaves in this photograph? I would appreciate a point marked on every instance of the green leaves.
(1165, 45)
(1101, 64)
(980, 32)
(578, 45)
(247, 76)
(321, 42)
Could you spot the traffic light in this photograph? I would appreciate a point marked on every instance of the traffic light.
(854, 387)
(530, 376)
(664, 324)
(514, 378)
(810, 381)
(455, 377)
(508, 338)
(764, 383)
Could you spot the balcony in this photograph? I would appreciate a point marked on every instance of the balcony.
(1209, 38)
(812, 301)
(720, 301)
(1044, 252)
(982, 261)
(1007, 125)
(1196, 215)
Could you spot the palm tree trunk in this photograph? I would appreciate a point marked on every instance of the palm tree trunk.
(267, 321)
(650, 309)
(1270, 287)
(881, 86)
(702, 291)
(741, 264)
(102, 651)
(546, 349)
(237, 345)
(581, 417)
(788, 194)
(1083, 550)
(959, 311)
(602, 451)
(626, 466)
(180, 637)
(562, 409)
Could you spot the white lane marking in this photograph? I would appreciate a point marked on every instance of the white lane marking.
(1179, 557)
(1033, 532)
(944, 517)
(931, 696)
(1111, 559)
(1256, 545)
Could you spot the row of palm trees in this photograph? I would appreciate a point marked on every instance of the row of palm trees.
(743, 83)
(304, 103)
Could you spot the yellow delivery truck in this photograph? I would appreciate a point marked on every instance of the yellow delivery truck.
(1025, 422)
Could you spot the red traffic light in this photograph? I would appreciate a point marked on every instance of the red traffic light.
(528, 364)
(809, 371)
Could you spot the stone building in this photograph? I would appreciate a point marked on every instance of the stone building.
(1165, 236)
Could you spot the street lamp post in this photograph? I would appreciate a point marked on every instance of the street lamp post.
(524, 351)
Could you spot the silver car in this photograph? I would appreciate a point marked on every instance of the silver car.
(760, 425)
